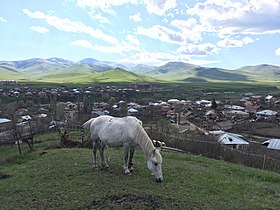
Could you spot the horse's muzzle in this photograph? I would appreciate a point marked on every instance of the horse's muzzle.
(159, 180)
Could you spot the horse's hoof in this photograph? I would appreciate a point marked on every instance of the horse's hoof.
(131, 169)
(104, 167)
(127, 172)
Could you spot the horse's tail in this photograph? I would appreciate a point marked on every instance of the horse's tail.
(87, 124)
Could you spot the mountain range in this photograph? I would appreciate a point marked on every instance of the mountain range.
(92, 70)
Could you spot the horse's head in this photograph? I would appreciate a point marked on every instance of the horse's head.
(154, 164)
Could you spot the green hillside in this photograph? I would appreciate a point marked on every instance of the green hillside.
(220, 74)
(203, 74)
(84, 76)
(7, 73)
(173, 71)
(173, 67)
(91, 70)
(51, 177)
(119, 75)
(261, 72)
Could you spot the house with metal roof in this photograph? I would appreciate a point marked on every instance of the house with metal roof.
(226, 138)
(4, 120)
(272, 144)
(266, 114)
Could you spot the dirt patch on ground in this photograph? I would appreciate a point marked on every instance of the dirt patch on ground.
(133, 202)
(4, 176)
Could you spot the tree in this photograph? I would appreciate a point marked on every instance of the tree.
(10, 112)
(60, 108)
(214, 104)
(123, 107)
(112, 102)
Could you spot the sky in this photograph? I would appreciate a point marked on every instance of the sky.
(211, 33)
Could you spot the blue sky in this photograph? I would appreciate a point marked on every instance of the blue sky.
(220, 33)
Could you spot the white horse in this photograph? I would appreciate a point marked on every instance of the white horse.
(127, 132)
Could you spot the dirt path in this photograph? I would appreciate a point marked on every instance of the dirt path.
(191, 127)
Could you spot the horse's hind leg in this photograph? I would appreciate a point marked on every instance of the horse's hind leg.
(94, 150)
(102, 156)
(130, 163)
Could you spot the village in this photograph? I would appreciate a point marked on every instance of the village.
(235, 122)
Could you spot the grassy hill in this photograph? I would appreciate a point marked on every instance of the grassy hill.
(61, 178)
(120, 75)
(179, 71)
(261, 72)
(172, 67)
(91, 70)
(78, 73)
(173, 71)
(220, 74)
(10, 73)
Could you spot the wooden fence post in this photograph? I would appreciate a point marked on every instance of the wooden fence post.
(264, 157)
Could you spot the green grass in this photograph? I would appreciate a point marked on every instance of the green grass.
(49, 178)
(119, 75)
(11, 75)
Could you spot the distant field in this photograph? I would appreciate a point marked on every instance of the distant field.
(103, 80)
(62, 178)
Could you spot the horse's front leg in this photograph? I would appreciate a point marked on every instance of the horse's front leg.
(102, 156)
(130, 163)
(125, 166)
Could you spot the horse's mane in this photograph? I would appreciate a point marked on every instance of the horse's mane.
(87, 124)
(144, 140)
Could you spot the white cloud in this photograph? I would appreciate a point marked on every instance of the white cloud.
(98, 17)
(277, 52)
(104, 5)
(39, 29)
(114, 49)
(230, 42)
(137, 17)
(99, 48)
(165, 20)
(247, 40)
(160, 58)
(71, 26)
(162, 33)
(203, 62)
(83, 43)
(191, 30)
(228, 17)
(131, 39)
(159, 7)
(3, 19)
(149, 58)
(187, 31)
(199, 50)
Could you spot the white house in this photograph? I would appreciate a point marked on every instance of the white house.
(4, 124)
(266, 114)
(132, 111)
(268, 98)
(4, 120)
(272, 144)
(227, 138)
